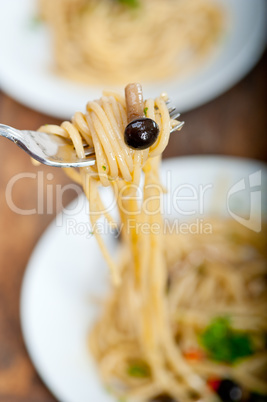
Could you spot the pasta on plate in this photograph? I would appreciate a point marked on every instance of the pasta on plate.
(114, 41)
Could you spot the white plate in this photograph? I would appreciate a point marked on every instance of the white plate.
(25, 67)
(66, 269)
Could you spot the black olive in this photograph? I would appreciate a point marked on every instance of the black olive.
(162, 398)
(257, 398)
(141, 133)
(229, 391)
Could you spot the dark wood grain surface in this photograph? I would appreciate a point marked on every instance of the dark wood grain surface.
(233, 124)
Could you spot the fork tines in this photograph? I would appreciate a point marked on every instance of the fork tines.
(174, 115)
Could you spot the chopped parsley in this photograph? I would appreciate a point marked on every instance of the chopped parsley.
(104, 167)
(130, 3)
(223, 343)
(35, 22)
(145, 111)
(138, 369)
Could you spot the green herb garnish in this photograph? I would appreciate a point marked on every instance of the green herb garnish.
(35, 22)
(104, 167)
(130, 3)
(223, 343)
(138, 369)
(145, 111)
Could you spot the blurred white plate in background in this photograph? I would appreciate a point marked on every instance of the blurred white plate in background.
(26, 60)
(67, 270)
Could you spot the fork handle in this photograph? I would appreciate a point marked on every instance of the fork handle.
(11, 133)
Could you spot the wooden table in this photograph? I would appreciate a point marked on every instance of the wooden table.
(233, 124)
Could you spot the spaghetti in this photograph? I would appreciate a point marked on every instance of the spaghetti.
(109, 42)
(177, 298)
(118, 166)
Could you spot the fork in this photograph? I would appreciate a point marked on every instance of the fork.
(56, 151)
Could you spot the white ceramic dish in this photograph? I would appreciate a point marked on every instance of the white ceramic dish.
(26, 74)
(66, 269)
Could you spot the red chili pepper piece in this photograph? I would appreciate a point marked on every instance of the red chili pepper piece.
(214, 383)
